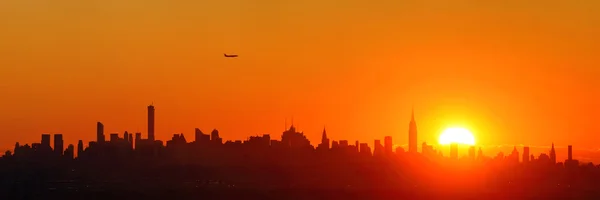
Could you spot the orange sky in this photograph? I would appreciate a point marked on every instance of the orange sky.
(511, 72)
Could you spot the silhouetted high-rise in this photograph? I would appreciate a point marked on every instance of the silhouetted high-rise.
(514, 155)
(138, 139)
(114, 137)
(70, 152)
(412, 134)
(100, 132)
(378, 148)
(126, 136)
(387, 145)
(151, 122)
(553, 154)
(58, 144)
(454, 151)
(472, 152)
(324, 139)
(214, 136)
(365, 149)
(343, 143)
(570, 153)
(79, 148)
(131, 140)
(46, 140)
(525, 154)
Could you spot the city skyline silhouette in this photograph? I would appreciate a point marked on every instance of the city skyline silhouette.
(252, 165)
(590, 155)
(414, 147)
(311, 99)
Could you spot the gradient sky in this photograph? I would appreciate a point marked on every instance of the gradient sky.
(512, 72)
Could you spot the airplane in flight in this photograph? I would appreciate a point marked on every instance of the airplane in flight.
(230, 56)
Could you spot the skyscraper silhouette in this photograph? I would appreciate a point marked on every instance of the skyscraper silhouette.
(114, 137)
(138, 139)
(46, 140)
(79, 148)
(525, 154)
(514, 155)
(378, 148)
(570, 153)
(151, 122)
(131, 140)
(58, 144)
(214, 136)
(412, 134)
(324, 140)
(70, 151)
(553, 154)
(100, 132)
(387, 145)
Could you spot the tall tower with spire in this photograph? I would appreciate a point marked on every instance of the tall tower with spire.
(324, 139)
(412, 133)
(553, 154)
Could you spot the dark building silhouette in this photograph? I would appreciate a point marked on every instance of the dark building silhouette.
(570, 163)
(343, 143)
(552, 154)
(215, 138)
(388, 146)
(200, 137)
(412, 134)
(324, 141)
(126, 136)
(46, 140)
(151, 122)
(453, 150)
(570, 153)
(79, 148)
(138, 139)
(400, 150)
(472, 152)
(100, 132)
(526, 154)
(427, 150)
(131, 141)
(514, 155)
(70, 152)
(365, 149)
(291, 168)
(58, 144)
(177, 140)
(295, 140)
(378, 148)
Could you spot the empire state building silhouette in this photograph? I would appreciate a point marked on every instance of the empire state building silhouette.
(412, 134)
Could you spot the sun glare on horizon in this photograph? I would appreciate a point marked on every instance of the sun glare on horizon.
(457, 135)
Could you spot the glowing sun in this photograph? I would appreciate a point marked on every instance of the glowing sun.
(457, 135)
